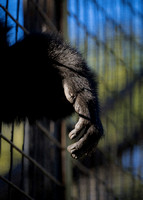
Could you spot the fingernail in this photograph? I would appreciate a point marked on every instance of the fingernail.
(74, 156)
(72, 136)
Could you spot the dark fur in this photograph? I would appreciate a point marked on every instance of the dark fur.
(33, 74)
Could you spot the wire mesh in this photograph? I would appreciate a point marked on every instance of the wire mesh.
(109, 35)
(30, 160)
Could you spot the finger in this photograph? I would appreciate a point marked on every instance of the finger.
(81, 124)
(86, 144)
(77, 149)
(73, 149)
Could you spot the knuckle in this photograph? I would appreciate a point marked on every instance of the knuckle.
(69, 93)
(77, 107)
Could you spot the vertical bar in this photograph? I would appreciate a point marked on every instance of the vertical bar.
(85, 32)
(59, 134)
(67, 165)
(64, 25)
(77, 26)
(63, 153)
(59, 14)
(6, 15)
(11, 162)
(17, 18)
(22, 160)
(97, 188)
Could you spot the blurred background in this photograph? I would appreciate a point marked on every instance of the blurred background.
(34, 163)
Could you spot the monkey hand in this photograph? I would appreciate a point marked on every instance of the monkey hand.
(88, 130)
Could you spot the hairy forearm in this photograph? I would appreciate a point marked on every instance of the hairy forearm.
(80, 90)
(54, 69)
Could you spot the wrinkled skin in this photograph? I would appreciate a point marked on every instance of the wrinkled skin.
(50, 79)
(88, 124)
